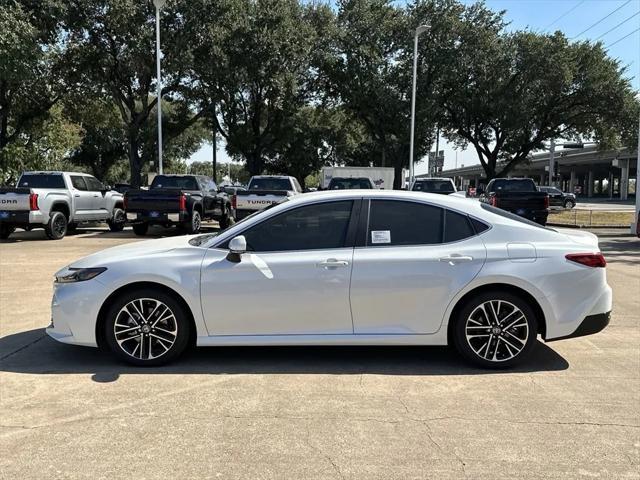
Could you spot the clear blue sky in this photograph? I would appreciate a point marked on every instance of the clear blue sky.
(569, 16)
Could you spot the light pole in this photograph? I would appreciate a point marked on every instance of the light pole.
(159, 4)
(419, 30)
(634, 226)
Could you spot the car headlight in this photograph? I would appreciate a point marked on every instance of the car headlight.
(72, 275)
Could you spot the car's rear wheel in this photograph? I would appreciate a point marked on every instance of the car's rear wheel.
(140, 228)
(57, 226)
(495, 330)
(194, 225)
(5, 231)
(147, 327)
(116, 224)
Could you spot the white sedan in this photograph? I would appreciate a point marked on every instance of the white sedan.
(342, 268)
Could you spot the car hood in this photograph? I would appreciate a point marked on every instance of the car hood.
(132, 250)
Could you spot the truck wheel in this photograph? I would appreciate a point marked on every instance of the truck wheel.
(5, 231)
(226, 220)
(194, 225)
(140, 228)
(57, 226)
(116, 224)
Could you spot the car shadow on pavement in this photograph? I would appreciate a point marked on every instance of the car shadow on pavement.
(33, 352)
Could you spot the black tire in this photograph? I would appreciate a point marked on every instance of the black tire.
(158, 351)
(569, 204)
(194, 225)
(227, 219)
(140, 228)
(5, 231)
(56, 228)
(503, 340)
(116, 224)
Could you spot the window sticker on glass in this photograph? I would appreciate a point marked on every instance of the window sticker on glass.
(380, 236)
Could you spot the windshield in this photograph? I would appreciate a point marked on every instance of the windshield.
(41, 181)
(202, 239)
(270, 184)
(182, 183)
(514, 186)
(434, 186)
(349, 183)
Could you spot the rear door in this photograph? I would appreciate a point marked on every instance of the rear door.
(415, 258)
(99, 202)
(82, 198)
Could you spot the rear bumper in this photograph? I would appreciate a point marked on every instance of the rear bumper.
(159, 218)
(22, 218)
(590, 325)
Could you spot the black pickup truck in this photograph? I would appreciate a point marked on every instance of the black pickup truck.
(182, 200)
(519, 196)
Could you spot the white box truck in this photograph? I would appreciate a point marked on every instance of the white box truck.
(381, 177)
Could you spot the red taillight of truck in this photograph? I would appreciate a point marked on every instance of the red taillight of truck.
(234, 201)
(183, 202)
(33, 201)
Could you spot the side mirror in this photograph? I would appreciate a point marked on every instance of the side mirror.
(237, 246)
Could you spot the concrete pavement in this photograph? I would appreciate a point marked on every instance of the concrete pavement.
(69, 412)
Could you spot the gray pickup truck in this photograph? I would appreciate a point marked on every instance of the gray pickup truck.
(57, 202)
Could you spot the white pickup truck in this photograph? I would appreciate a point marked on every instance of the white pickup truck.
(262, 191)
(57, 201)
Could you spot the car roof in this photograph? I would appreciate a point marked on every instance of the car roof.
(433, 178)
(55, 172)
(451, 201)
(271, 176)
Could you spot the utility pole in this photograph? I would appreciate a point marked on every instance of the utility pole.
(419, 30)
(159, 4)
(635, 220)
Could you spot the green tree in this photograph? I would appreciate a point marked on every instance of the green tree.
(30, 74)
(113, 53)
(508, 93)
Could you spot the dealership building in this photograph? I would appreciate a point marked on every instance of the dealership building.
(587, 171)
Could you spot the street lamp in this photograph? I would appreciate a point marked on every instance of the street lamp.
(419, 31)
(159, 4)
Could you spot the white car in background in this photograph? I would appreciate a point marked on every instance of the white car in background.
(353, 267)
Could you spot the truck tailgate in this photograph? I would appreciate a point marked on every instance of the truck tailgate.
(258, 199)
(513, 201)
(158, 200)
(14, 199)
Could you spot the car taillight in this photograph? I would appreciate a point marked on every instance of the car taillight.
(183, 202)
(234, 201)
(494, 201)
(588, 259)
(546, 201)
(33, 201)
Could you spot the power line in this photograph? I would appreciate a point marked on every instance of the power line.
(620, 39)
(618, 25)
(564, 14)
(602, 19)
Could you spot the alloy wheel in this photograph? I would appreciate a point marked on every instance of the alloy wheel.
(497, 330)
(145, 328)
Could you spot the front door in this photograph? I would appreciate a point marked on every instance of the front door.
(294, 279)
(415, 259)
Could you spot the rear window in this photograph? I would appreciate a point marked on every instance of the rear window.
(182, 183)
(433, 186)
(514, 186)
(270, 184)
(349, 183)
(41, 181)
(511, 216)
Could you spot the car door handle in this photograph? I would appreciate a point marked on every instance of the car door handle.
(332, 263)
(455, 258)
(96, 196)
(77, 195)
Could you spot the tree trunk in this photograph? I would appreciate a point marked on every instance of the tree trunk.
(254, 164)
(398, 181)
(135, 162)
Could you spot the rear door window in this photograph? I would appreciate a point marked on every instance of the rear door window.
(396, 222)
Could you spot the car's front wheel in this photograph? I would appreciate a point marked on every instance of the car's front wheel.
(495, 330)
(147, 327)
(569, 204)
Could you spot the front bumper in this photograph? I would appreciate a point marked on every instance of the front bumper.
(590, 325)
